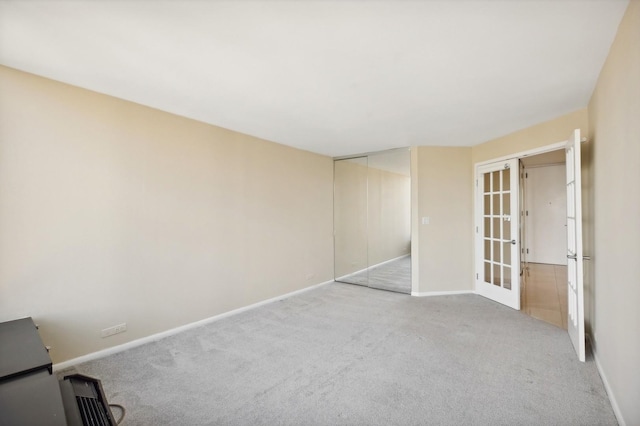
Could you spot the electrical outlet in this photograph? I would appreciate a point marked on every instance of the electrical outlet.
(120, 328)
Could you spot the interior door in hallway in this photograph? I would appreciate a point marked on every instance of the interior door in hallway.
(497, 228)
(545, 218)
(575, 272)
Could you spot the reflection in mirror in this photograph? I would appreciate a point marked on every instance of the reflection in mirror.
(372, 213)
(350, 220)
(389, 228)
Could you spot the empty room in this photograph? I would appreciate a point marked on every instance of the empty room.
(359, 212)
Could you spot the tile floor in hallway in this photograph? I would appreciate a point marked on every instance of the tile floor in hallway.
(544, 293)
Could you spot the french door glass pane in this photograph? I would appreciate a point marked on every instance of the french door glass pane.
(487, 250)
(497, 227)
(506, 180)
(496, 204)
(507, 255)
(496, 181)
(506, 203)
(496, 275)
(507, 230)
(507, 278)
(496, 251)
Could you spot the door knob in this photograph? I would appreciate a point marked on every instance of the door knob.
(574, 257)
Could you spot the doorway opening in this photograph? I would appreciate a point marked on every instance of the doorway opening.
(493, 257)
(543, 207)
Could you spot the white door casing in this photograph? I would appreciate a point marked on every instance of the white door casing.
(575, 271)
(497, 232)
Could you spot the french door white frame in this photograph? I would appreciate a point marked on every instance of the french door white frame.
(478, 213)
(497, 229)
(575, 266)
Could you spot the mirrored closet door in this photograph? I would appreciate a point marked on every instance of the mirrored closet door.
(372, 220)
(350, 220)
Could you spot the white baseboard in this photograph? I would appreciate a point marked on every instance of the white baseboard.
(344, 277)
(158, 336)
(441, 293)
(607, 387)
(371, 267)
(390, 260)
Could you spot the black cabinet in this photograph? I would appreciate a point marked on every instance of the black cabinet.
(29, 392)
(21, 349)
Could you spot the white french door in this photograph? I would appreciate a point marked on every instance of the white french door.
(575, 271)
(498, 260)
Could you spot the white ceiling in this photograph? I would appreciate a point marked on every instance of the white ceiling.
(333, 77)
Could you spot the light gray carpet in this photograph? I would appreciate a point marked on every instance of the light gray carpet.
(392, 276)
(349, 355)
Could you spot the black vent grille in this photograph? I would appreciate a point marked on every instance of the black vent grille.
(84, 402)
(92, 411)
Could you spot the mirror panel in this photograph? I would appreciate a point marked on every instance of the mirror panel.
(350, 220)
(372, 220)
(389, 234)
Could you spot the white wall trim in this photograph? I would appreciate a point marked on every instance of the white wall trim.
(158, 336)
(537, 166)
(371, 267)
(607, 387)
(351, 274)
(440, 293)
(390, 260)
(534, 151)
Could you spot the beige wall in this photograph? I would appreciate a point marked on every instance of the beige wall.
(113, 212)
(547, 133)
(614, 118)
(444, 195)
